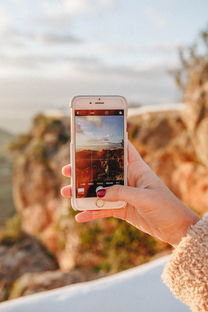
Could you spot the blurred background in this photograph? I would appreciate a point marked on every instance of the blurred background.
(153, 53)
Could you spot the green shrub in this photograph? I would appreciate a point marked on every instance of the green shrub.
(11, 231)
(117, 244)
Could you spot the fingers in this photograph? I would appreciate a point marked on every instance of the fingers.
(66, 171)
(133, 154)
(66, 191)
(131, 195)
(90, 215)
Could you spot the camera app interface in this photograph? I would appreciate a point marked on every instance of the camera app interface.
(99, 145)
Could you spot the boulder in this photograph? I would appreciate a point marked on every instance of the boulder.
(17, 258)
(30, 283)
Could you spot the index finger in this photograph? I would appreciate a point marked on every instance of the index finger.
(133, 154)
(89, 215)
(66, 170)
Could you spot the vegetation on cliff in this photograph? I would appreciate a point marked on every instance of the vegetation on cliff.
(7, 208)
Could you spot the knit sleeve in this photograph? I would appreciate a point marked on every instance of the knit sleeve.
(186, 274)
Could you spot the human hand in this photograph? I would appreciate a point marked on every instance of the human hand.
(151, 206)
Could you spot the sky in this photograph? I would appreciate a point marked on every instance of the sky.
(95, 131)
(51, 50)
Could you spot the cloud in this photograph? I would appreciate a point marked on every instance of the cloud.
(5, 20)
(155, 16)
(106, 138)
(62, 13)
(16, 34)
(120, 71)
(73, 7)
(92, 68)
(166, 47)
(79, 129)
(44, 63)
(11, 36)
(96, 121)
(55, 38)
(99, 141)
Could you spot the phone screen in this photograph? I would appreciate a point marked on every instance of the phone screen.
(99, 147)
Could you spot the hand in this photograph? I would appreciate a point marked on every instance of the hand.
(151, 206)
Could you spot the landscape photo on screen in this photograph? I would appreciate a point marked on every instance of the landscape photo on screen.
(99, 141)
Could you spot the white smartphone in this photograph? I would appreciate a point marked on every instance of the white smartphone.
(98, 149)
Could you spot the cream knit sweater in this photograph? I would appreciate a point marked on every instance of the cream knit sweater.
(187, 271)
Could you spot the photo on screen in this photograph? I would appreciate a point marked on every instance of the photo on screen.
(99, 150)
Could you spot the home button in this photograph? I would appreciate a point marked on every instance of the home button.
(99, 203)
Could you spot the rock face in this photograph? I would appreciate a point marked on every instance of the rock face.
(40, 156)
(196, 115)
(171, 150)
(30, 283)
(26, 267)
(18, 258)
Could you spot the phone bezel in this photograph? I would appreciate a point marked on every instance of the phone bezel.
(83, 102)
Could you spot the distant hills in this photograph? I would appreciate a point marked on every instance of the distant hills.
(97, 147)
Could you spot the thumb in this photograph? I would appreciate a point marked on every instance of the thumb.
(129, 194)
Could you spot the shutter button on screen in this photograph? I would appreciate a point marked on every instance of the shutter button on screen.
(99, 202)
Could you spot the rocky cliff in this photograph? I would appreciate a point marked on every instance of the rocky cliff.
(171, 150)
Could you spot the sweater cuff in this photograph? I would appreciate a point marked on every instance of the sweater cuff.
(186, 274)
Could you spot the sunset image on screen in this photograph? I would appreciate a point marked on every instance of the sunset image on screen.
(99, 150)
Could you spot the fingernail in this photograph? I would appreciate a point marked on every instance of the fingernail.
(101, 193)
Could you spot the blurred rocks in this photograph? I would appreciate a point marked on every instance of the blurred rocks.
(168, 146)
(30, 283)
(18, 258)
(26, 267)
(36, 187)
(196, 114)
(191, 182)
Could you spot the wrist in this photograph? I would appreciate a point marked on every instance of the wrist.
(182, 230)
